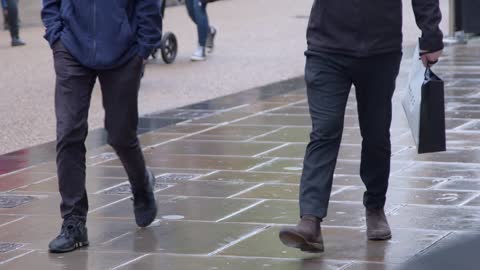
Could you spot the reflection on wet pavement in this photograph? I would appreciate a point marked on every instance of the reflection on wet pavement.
(228, 175)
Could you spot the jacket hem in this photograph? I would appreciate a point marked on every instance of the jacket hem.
(312, 50)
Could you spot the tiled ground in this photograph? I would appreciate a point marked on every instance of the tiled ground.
(228, 178)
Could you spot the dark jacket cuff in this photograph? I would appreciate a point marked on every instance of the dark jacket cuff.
(432, 43)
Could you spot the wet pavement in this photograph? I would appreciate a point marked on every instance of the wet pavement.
(228, 177)
(265, 48)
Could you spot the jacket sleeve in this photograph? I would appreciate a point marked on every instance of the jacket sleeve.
(52, 20)
(149, 30)
(428, 17)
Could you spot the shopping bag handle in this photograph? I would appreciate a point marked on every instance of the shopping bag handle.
(428, 73)
(430, 76)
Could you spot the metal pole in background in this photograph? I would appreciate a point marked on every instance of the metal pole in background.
(455, 36)
(452, 17)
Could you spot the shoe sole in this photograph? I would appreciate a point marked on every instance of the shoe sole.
(380, 238)
(294, 240)
(198, 59)
(76, 246)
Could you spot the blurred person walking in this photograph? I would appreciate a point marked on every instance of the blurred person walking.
(356, 43)
(5, 14)
(108, 40)
(197, 10)
(10, 13)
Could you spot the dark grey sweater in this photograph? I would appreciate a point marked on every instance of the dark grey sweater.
(369, 27)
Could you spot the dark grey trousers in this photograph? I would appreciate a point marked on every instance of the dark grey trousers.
(329, 78)
(12, 18)
(73, 91)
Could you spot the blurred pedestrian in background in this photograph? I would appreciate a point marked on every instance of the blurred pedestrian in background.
(10, 13)
(5, 14)
(197, 10)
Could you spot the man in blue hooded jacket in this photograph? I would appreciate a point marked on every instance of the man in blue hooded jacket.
(108, 40)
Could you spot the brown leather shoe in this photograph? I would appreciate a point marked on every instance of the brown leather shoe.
(377, 225)
(306, 236)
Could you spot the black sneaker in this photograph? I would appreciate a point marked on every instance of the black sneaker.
(210, 45)
(144, 204)
(72, 236)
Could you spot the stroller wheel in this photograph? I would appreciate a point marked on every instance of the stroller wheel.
(169, 48)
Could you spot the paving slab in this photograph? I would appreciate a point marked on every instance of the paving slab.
(404, 245)
(78, 261)
(233, 263)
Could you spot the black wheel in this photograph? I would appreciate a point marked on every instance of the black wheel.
(169, 48)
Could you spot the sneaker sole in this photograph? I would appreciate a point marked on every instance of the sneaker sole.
(76, 246)
(198, 59)
(294, 240)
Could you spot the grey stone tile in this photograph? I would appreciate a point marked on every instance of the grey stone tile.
(49, 204)
(23, 178)
(231, 263)
(227, 133)
(287, 212)
(347, 152)
(180, 237)
(8, 201)
(344, 167)
(453, 171)
(458, 155)
(189, 147)
(79, 260)
(276, 191)
(465, 185)
(178, 207)
(8, 247)
(200, 162)
(206, 189)
(411, 196)
(51, 185)
(253, 177)
(371, 266)
(221, 117)
(437, 218)
(342, 244)
(181, 128)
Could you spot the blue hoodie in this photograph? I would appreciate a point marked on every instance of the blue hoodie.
(103, 34)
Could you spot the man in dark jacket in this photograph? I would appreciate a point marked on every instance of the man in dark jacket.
(354, 42)
(10, 13)
(108, 40)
